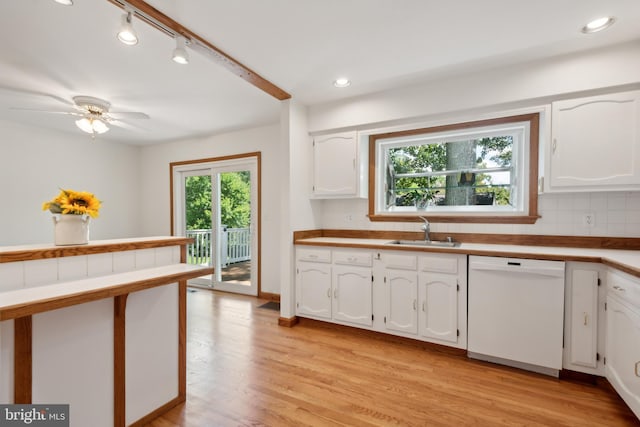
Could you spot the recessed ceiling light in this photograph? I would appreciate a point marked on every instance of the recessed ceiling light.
(598, 24)
(65, 2)
(342, 82)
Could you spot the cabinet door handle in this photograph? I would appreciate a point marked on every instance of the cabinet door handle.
(586, 317)
(335, 293)
(618, 288)
(636, 369)
(424, 306)
(415, 304)
(329, 293)
(554, 145)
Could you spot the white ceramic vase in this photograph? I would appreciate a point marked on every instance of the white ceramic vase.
(71, 229)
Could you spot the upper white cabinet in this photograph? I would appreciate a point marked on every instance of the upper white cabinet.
(337, 168)
(595, 144)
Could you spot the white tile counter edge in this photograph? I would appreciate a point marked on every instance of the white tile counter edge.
(626, 258)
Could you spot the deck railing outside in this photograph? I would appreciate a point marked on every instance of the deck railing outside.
(235, 246)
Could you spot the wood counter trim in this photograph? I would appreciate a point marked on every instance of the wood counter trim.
(182, 339)
(125, 286)
(22, 360)
(90, 249)
(119, 360)
(590, 242)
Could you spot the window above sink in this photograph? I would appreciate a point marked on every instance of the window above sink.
(483, 171)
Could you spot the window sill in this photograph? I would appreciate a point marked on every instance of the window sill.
(478, 219)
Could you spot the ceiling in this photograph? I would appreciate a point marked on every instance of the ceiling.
(51, 53)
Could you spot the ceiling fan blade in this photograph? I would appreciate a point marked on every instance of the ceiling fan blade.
(69, 113)
(126, 125)
(128, 115)
(36, 93)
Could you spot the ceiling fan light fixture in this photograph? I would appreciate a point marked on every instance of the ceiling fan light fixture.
(127, 33)
(180, 54)
(92, 126)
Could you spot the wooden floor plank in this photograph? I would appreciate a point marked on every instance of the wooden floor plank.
(245, 370)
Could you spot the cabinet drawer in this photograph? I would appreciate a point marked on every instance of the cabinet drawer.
(313, 254)
(438, 264)
(352, 258)
(400, 262)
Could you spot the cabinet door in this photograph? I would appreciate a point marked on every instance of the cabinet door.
(439, 306)
(623, 352)
(335, 171)
(313, 289)
(595, 142)
(352, 302)
(583, 341)
(402, 301)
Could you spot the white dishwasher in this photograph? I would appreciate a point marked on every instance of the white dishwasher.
(516, 311)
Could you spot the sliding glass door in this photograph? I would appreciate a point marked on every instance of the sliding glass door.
(215, 203)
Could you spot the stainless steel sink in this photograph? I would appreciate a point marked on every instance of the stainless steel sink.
(438, 243)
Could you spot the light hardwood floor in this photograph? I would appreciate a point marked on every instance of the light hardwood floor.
(245, 370)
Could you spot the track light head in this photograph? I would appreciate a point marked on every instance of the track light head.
(127, 34)
(180, 54)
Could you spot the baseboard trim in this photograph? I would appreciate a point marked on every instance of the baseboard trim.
(269, 296)
(161, 410)
(288, 322)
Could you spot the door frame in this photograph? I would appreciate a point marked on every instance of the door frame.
(257, 155)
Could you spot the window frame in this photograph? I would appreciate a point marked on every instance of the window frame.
(529, 216)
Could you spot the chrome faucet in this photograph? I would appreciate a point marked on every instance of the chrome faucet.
(426, 227)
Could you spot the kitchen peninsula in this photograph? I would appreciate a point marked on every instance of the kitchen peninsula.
(100, 327)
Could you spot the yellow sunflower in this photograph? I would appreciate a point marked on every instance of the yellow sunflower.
(74, 203)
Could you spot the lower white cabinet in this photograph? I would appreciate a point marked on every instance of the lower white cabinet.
(412, 294)
(426, 296)
(334, 285)
(623, 338)
(585, 321)
(352, 295)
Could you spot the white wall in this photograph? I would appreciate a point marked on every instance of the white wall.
(35, 164)
(466, 97)
(155, 192)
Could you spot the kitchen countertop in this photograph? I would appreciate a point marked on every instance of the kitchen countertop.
(624, 260)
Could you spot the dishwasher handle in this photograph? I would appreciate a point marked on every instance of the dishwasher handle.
(517, 267)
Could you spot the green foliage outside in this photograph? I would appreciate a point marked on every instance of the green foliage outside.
(442, 189)
(235, 208)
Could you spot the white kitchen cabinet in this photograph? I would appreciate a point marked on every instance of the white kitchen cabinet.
(313, 283)
(595, 144)
(337, 168)
(584, 321)
(623, 338)
(402, 301)
(352, 300)
(334, 285)
(423, 297)
(442, 299)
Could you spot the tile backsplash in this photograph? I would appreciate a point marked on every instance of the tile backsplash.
(614, 214)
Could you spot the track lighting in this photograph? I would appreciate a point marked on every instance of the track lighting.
(127, 34)
(91, 125)
(180, 54)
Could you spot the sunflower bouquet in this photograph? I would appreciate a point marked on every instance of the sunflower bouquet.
(70, 202)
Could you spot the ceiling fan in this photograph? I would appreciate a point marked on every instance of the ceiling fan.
(93, 114)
